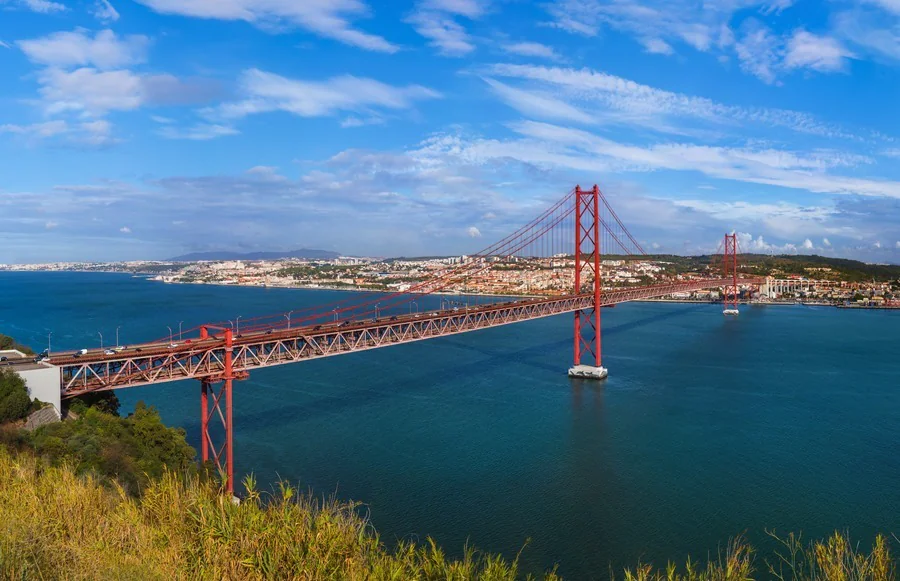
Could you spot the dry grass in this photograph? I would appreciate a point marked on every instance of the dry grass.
(55, 524)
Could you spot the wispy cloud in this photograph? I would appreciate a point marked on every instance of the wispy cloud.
(613, 99)
(104, 50)
(436, 20)
(805, 50)
(326, 18)
(531, 49)
(40, 6)
(199, 132)
(104, 11)
(265, 92)
(661, 26)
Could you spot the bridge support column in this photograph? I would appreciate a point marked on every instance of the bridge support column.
(587, 359)
(217, 403)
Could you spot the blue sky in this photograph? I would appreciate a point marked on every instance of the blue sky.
(137, 129)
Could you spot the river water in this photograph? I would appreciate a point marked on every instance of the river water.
(784, 418)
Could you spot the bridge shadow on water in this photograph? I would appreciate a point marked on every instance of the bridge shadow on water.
(494, 359)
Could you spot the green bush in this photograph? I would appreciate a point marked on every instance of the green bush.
(14, 401)
(134, 450)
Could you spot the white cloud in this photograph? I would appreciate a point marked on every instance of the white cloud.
(104, 11)
(90, 91)
(199, 132)
(821, 53)
(826, 242)
(5, 44)
(467, 8)
(93, 133)
(538, 105)
(531, 49)
(758, 51)
(549, 146)
(897, 244)
(657, 46)
(871, 33)
(473, 232)
(125, 230)
(42, 6)
(326, 18)
(270, 92)
(625, 101)
(72, 49)
(349, 122)
(758, 245)
(38, 130)
(97, 133)
(697, 24)
(807, 244)
(877, 244)
(660, 26)
(50, 225)
(443, 32)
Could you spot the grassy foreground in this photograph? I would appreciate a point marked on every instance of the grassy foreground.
(56, 524)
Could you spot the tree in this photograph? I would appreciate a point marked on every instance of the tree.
(14, 401)
(105, 401)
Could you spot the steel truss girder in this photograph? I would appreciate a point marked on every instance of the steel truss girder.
(289, 346)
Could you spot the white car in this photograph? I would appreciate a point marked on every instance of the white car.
(109, 352)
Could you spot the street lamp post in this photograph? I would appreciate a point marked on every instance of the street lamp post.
(288, 317)
(230, 322)
(239, 325)
(170, 334)
(376, 310)
(48, 341)
(335, 313)
(179, 329)
(117, 335)
(101, 339)
(411, 303)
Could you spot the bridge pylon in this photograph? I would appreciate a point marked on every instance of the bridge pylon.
(216, 404)
(731, 292)
(587, 359)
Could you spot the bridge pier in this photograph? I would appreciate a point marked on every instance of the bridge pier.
(219, 405)
(588, 372)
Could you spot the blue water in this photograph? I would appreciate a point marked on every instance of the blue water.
(784, 418)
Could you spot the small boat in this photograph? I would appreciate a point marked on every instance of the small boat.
(733, 312)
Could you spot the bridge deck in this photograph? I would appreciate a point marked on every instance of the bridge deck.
(204, 358)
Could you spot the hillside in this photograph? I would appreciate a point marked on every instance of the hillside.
(308, 253)
(812, 266)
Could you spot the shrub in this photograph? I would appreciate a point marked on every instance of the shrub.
(132, 450)
(14, 401)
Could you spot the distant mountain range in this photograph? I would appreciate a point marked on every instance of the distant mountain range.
(309, 253)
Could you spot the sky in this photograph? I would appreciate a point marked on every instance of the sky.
(144, 129)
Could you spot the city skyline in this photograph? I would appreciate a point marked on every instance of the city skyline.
(141, 130)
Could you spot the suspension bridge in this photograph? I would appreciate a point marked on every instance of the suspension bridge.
(569, 239)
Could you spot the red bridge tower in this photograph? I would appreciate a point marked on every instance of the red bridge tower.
(587, 271)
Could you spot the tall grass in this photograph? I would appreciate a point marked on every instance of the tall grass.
(55, 524)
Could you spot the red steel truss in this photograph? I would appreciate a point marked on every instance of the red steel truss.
(210, 359)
